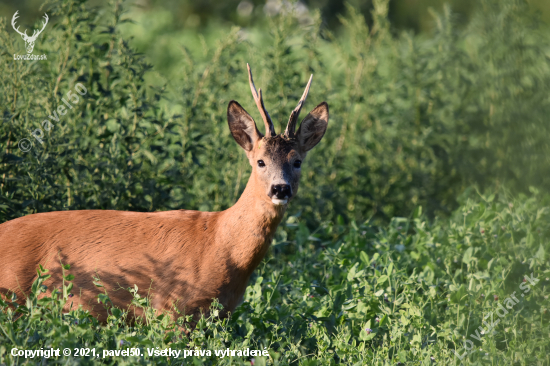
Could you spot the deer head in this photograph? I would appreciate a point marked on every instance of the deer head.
(29, 41)
(276, 160)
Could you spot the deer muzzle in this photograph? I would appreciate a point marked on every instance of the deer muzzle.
(280, 193)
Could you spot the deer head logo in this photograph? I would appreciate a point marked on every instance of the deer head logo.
(29, 41)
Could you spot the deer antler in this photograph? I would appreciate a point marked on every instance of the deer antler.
(269, 129)
(36, 32)
(291, 126)
(17, 29)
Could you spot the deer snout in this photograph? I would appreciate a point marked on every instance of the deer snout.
(280, 193)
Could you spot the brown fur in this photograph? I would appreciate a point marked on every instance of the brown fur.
(185, 256)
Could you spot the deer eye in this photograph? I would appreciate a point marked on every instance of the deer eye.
(297, 164)
(261, 163)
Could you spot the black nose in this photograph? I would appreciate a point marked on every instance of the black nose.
(281, 191)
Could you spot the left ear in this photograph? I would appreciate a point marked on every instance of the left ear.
(313, 127)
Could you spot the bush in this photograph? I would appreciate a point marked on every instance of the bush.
(414, 119)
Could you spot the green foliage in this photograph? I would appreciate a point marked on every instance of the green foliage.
(414, 120)
(352, 294)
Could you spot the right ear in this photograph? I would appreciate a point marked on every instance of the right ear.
(242, 126)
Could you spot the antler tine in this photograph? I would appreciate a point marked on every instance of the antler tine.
(13, 19)
(291, 126)
(37, 32)
(269, 128)
(46, 21)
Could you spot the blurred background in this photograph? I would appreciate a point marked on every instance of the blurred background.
(428, 99)
(403, 14)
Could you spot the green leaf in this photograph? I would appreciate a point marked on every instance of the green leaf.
(384, 320)
(352, 272)
(364, 257)
(366, 336)
(42, 269)
(382, 279)
(458, 295)
(349, 306)
(540, 253)
(467, 258)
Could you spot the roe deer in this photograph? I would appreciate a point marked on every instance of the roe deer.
(182, 257)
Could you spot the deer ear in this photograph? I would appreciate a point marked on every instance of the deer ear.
(242, 126)
(313, 127)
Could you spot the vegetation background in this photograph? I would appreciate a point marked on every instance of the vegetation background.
(429, 107)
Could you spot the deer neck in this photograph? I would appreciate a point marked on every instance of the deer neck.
(250, 226)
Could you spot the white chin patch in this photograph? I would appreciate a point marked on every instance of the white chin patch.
(277, 201)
